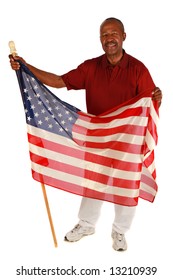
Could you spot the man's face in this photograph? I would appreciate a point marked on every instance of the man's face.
(112, 37)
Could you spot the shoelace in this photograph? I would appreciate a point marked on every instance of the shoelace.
(119, 236)
(76, 227)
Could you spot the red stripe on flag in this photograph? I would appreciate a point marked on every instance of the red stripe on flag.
(146, 195)
(149, 160)
(127, 129)
(152, 128)
(103, 118)
(112, 145)
(148, 181)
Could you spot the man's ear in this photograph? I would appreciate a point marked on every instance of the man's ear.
(124, 36)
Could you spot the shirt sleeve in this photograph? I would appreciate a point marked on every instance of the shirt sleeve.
(75, 79)
(145, 82)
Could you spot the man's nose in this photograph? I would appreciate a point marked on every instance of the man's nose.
(110, 37)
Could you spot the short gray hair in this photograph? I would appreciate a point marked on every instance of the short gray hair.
(114, 19)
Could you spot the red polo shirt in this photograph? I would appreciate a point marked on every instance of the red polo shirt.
(108, 86)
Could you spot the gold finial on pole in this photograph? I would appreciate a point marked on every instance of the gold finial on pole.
(12, 48)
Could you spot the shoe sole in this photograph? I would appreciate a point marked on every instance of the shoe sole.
(75, 240)
(120, 249)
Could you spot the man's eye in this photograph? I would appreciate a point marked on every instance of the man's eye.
(104, 35)
(114, 33)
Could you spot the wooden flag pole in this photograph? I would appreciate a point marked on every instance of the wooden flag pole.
(49, 214)
(14, 53)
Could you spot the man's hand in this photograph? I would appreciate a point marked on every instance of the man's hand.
(15, 65)
(157, 95)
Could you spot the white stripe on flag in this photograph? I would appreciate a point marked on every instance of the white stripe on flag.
(125, 138)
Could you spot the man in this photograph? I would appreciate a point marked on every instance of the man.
(109, 80)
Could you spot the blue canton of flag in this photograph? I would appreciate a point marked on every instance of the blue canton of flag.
(43, 109)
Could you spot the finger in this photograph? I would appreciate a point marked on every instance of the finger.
(157, 98)
(157, 94)
(14, 64)
(156, 90)
(11, 57)
(16, 57)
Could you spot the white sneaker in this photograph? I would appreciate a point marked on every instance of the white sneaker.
(119, 241)
(78, 232)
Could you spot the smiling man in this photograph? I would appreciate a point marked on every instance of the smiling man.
(112, 37)
(109, 80)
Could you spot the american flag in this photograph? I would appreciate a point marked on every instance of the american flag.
(108, 157)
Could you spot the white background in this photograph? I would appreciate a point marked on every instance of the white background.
(57, 36)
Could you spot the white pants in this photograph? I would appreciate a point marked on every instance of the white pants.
(89, 213)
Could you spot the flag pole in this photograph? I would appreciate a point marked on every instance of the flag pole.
(14, 53)
(49, 215)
